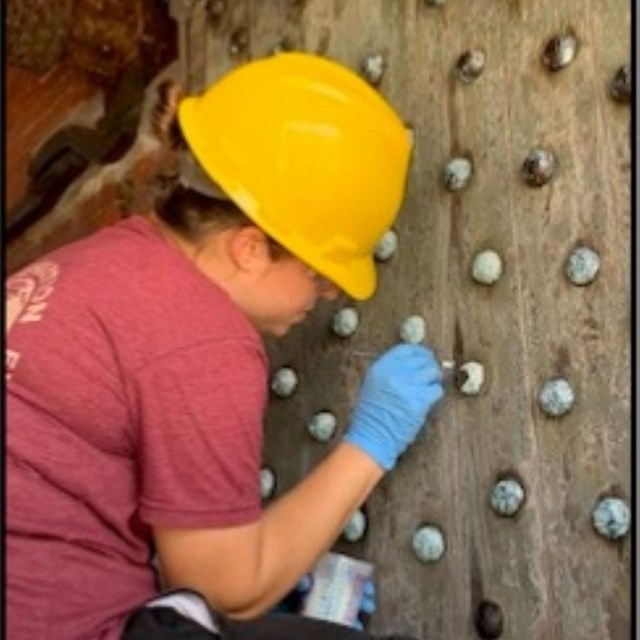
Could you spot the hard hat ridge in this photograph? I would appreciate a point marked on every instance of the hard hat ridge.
(311, 153)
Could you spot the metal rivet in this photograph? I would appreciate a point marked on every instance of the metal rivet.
(620, 88)
(556, 397)
(487, 267)
(267, 483)
(507, 497)
(489, 620)
(387, 246)
(239, 41)
(322, 426)
(469, 379)
(285, 44)
(284, 382)
(538, 167)
(345, 322)
(428, 543)
(413, 330)
(470, 65)
(355, 529)
(583, 266)
(560, 51)
(457, 174)
(611, 518)
(373, 68)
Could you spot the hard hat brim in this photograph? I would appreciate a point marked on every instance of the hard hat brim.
(357, 279)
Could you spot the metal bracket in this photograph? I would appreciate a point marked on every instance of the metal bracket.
(182, 12)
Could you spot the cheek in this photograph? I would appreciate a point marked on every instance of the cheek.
(297, 295)
(295, 287)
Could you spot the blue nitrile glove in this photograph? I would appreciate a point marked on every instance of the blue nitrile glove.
(396, 396)
(293, 601)
(367, 605)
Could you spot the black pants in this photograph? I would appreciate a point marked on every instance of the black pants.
(164, 623)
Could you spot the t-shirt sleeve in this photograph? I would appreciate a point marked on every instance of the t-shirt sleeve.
(200, 416)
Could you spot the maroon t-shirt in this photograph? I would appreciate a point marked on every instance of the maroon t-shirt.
(135, 397)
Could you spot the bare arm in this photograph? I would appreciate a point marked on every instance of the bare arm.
(244, 570)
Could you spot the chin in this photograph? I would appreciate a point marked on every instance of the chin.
(280, 329)
(276, 332)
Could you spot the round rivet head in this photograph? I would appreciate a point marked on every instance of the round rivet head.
(470, 378)
(387, 246)
(620, 88)
(611, 518)
(560, 51)
(355, 529)
(428, 544)
(267, 483)
(284, 382)
(538, 167)
(346, 322)
(373, 68)
(487, 267)
(239, 41)
(457, 174)
(489, 620)
(470, 65)
(556, 397)
(284, 45)
(413, 330)
(582, 266)
(322, 426)
(507, 497)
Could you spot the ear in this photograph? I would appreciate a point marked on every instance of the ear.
(248, 248)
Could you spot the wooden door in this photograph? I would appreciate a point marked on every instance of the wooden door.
(552, 576)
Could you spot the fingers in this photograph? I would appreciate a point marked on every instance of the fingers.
(305, 583)
(369, 590)
(405, 360)
(368, 603)
(436, 393)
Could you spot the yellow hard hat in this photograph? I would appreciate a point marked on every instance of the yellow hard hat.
(311, 153)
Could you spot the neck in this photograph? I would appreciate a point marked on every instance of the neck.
(208, 256)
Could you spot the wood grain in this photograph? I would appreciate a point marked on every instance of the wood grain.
(552, 575)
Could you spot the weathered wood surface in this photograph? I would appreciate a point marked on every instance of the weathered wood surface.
(551, 574)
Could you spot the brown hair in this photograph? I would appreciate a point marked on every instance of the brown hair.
(164, 121)
(186, 211)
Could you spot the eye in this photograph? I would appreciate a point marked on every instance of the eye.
(323, 285)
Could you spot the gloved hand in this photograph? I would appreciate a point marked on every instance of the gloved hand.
(368, 605)
(396, 396)
(293, 601)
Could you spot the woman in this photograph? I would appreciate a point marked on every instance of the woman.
(137, 374)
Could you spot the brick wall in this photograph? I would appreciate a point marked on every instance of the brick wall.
(36, 105)
(101, 195)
